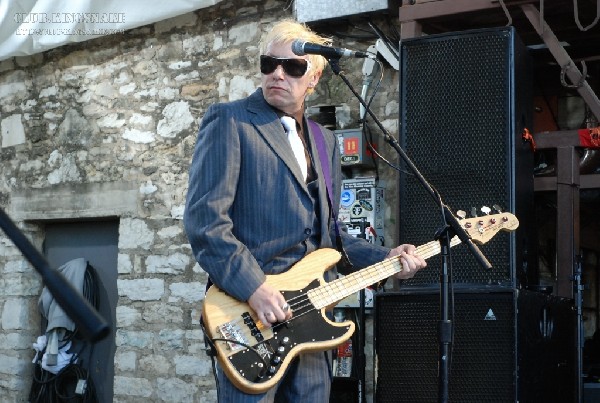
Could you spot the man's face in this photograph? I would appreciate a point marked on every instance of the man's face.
(282, 90)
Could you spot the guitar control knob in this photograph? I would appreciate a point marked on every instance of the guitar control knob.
(272, 370)
(284, 341)
(276, 360)
(280, 350)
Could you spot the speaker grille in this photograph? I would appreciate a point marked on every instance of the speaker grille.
(458, 125)
(483, 366)
(509, 345)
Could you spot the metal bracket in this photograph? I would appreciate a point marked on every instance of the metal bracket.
(581, 82)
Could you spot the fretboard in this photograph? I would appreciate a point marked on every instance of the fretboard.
(340, 288)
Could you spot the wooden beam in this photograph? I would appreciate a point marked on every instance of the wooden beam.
(562, 138)
(563, 59)
(548, 183)
(428, 9)
(410, 29)
(559, 140)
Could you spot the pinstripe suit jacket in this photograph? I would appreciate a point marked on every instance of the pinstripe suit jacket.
(248, 210)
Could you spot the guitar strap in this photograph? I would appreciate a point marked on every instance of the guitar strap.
(345, 264)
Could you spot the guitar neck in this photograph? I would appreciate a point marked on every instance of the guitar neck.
(340, 288)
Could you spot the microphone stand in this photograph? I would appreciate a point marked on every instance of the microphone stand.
(88, 321)
(450, 228)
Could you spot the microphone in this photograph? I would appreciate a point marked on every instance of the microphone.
(301, 48)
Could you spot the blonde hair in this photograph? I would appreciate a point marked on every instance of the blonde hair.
(288, 30)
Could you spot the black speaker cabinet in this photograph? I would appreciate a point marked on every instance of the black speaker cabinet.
(508, 346)
(466, 99)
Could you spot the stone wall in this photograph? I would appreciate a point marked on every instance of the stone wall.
(106, 128)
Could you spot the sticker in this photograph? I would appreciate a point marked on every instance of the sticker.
(366, 205)
(347, 198)
(350, 159)
(351, 145)
(363, 194)
(357, 210)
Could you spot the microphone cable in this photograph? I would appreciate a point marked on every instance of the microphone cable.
(72, 383)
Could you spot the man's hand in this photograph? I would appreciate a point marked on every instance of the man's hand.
(411, 262)
(269, 305)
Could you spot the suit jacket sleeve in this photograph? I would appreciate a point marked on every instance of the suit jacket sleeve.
(214, 177)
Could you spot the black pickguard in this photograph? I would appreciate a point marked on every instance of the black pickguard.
(306, 326)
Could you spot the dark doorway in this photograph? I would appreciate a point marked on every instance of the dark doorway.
(96, 242)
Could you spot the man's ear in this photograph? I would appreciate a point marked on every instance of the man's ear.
(315, 80)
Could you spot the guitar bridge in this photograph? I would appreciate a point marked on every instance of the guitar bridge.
(235, 335)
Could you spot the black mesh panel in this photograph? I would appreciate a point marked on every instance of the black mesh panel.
(483, 364)
(509, 345)
(458, 126)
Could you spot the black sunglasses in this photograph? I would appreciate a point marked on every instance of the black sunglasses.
(292, 67)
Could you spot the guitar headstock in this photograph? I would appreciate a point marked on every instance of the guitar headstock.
(482, 229)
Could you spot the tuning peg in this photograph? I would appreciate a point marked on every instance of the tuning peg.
(462, 214)
(497, 208)
(473, 211)
(486, 210)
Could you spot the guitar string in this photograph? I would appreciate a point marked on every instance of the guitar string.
(302, 301)
(298, 303)
(389, 266)
(327, 293)
(321, 293)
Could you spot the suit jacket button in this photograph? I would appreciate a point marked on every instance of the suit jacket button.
(307, 231)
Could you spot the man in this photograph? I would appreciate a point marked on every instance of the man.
(252, 210)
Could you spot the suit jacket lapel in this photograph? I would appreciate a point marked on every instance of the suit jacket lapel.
(270, 128)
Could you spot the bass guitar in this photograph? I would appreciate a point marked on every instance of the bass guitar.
(254, 356)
